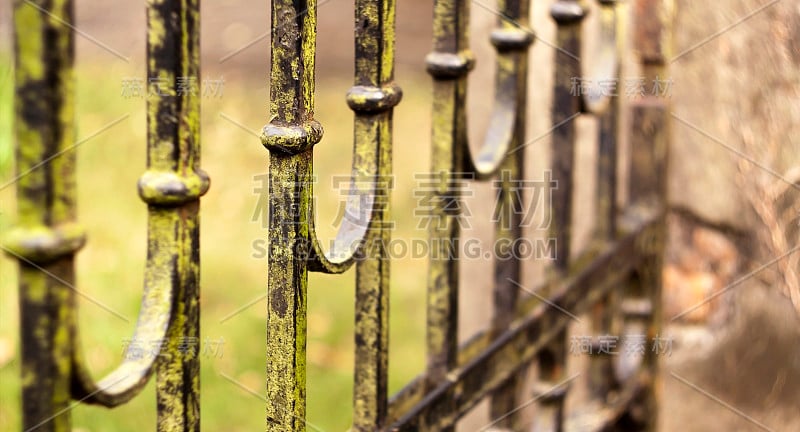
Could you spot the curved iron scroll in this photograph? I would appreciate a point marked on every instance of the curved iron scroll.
(47, 236)
(294, 248)
(452, 60)
(502, 151)
(172, 187)
(290, 136)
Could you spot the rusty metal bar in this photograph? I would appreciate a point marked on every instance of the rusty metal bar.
(608, 135)
(448, 64)
(47, 236)
(289, 137)
(372, 99)
(172, 186)
(490, 364)
(511, 40)
(598, 415)
(605, 315)
(452, 163)
(649, 141)
(364, 234)
(414, 392)
(568, 16)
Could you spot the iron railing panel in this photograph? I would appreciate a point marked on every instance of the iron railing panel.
(616, 281)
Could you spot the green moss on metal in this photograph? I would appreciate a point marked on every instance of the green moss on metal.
(28, 25)
(290, 196)
(47, 236)
(43, 125)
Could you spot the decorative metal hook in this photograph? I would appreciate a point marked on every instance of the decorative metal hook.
(294, 247)
(171, 187)
(369, 182)
(453, 60)
(371, 98)
(47, 237)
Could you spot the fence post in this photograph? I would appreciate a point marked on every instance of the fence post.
(46, 237)
(449, 64)
(604, 315)
(289, 137)
(568, 15)
(372, 99)
(172, 186)
(511, 39)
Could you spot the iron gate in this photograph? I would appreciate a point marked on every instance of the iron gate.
(616, 280)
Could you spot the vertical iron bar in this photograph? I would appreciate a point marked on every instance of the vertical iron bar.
(448, 64)
(172, 187)
(507, 274)
(602, 377)
(46, 237)
(607, 141)
(568, 15)
(509, 216)
(648, 186)
(566, 107)
(289, 137)
(372, 98)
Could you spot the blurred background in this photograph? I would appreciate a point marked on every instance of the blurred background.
(733, 195)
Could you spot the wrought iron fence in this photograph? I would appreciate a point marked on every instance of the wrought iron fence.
(616, 280)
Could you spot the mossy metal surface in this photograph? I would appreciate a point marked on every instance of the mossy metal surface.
(472, 373)
(568, 16)
(626, 250)
(491, 362)
(291, 109)
(538, 323)
(294, 248)
(453, 164)
(606, 318)
(47, 236)
(372, 98)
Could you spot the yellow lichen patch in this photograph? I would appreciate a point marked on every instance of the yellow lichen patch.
(156, 32)
(28, 26)
(35, 286)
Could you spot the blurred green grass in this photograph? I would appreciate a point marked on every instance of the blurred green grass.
(110, 267)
